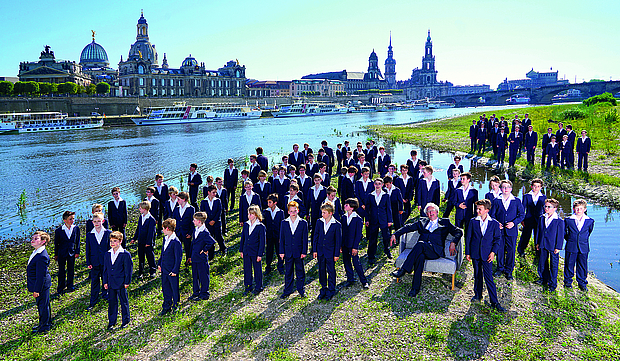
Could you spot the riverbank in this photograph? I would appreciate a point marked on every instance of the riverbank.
(601, 184)
(379, 323)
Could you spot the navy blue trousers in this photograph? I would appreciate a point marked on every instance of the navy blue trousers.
(148, 252)
(501, 154)
(415, 262)
(582, 162)
(530, 156)
(512, 156)
(45, 312)
(216, 233)
(529, 226)
(295, 265)
(249, 265)
(170, 290)
(548, 268)
(96, 280)
(579, 259)
(66, 272)
(372, 233)
(273, 245)
(506, 253)
(200, 277)
(351, 262)
(484, 270)
(327, 276)
(114, 296)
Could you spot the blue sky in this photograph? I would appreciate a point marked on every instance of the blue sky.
(475, 42)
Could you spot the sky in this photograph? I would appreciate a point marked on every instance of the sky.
(474, 41)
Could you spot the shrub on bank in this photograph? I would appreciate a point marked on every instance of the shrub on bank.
(572, 114)
(601, 98)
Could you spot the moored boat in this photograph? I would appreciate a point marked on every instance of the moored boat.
(181, 113)
(48, 122)
(309, 109)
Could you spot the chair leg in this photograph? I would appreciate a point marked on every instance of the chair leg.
(453, 275)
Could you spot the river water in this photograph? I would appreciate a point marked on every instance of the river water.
(61, 171)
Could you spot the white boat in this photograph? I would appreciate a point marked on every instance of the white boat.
(420, 104)
(309, 109)
(48, 122)
(181, 113)
(439, 104)
(7, 127)
(362, 109)
(518, 99)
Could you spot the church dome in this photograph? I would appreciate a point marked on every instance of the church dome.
(373, 56)
(142, 19)
(143, 50)
(189, 61)
(93, 54)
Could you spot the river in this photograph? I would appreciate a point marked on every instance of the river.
(61, 171)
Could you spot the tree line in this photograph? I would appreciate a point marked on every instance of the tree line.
(34, 88)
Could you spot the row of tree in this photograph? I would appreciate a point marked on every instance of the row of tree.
(34, 88)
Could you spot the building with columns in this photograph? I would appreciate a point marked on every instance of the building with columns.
(50, 70)
(141, 74)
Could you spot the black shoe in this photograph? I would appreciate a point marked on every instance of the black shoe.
(498, 273)
(371, 262)
(388, 254)
(328, 298)
(398, 273)
(267, 270)
(281, 271)
(366, 285)
(349, 283)
(196, 299)
(584, 288)
(476, 299)
(257, 292)
(413, 292)
(302, 295)
(568, 286)
(110, 327)
(538, 282)
(247, 290)
(321, 296)
(124, 325)
(90, 308)
(70, 289)
(509, 277)
(192, 297)
(498, 307)
(205, 297)
(164, 312)
(285, 296)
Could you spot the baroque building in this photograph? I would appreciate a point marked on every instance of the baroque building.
(141, 75)
(50, 70)
(423, 82)
(94, 62)
(390, 67)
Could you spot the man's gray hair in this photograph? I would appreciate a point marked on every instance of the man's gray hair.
(431, 206)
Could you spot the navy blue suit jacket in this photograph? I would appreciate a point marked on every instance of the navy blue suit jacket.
(314, 204)
(223, 196)
(458, 198)
(296, 162)
(37, 273)
(213, 214)
(293, 244)
(243, 205)
(576, 240)
(348, 188)
(501, 140)
(262, 161)
(253, 244)
(185, 224)
(546, 139)
(382, 165)
(406, 190)
(154, 210)
(583, 146)
(478, 246)
(553, 151)
(262, 193)
(300, 201)
(450, 191)
(117, 216)
(193, 190)
(425, 196)
(201, 245)
(327, 244)
(95, 251)
(170, 258)
(254, 172)
(66, 247)
(515, 140)
(533, 210)
(145, 233)
(305, 184)
(379, 215)
(473, 131)
(163, 196)
(312, 169)
(531, 140)
(168, 210)
(118, 274)
(231, 180)
(352, 232)
(90, 225)
(515, 214)
(451, 167)
(551, 237)
(281, 187)
(272, 225)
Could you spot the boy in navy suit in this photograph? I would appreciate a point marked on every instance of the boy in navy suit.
(280, 185)
(501, 141)
(117, 212)
(247, 198)
(296, 158)
(553, 151)
(379, 217)
(272, 219)
(566, 152)
(145, 235)
(406, 183)
(325, 177)
(97, 208)
(330, 154)
(66, 250)
(161, 193)
(231, 179)
(252, 248)
(255, 169)
(531, 139)
(546, 139)
(481, 245)
(454, 182)
(481, 137)
(549, 242)
(352, 225)
(194, 180)
(509, 212)
(332, 197)
(184, 215)
(212, 207)
(383, 161)
(261, 159)
(533, 203)
(456, 165)
(202, 242)
(428, 188)
(312, 167)
(464, 198)
(169, 265)
(494, 191)
(514, 140)
(303, 180)
(362, 187)
(155, 205)
(117, 270)
(326, 244)
(473, 134)
(579, 227)
(39, 280)
(295, 195)
(583, 149)
(97, 244)
(262, 188)
(222, 194)
(293, 249)
(171, 204)
(314, 199)
(396, 201)
(348, 183)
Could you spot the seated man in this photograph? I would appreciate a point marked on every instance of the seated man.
(433, 234)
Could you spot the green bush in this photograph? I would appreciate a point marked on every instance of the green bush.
(572, 114)
(601, 98)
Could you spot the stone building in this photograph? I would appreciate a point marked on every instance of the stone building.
(50, 70)
(390, 67)
(323, 87)
(268, 88)
(141, 75)
(95, 63)
(533, 79)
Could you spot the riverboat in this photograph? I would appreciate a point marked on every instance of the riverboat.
(7, 127)
(439, 104)
(309, 109)
(48, 122)
(181, 113)
(362, 109)
(518, 99)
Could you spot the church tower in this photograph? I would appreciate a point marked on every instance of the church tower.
(374, 73)
(143, 28)
(390, 67)
(428, 72)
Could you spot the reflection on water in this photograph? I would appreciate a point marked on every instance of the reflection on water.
(73, 170)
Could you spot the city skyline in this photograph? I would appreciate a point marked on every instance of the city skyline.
(473, 45)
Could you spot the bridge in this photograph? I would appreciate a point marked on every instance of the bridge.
(541, 95)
